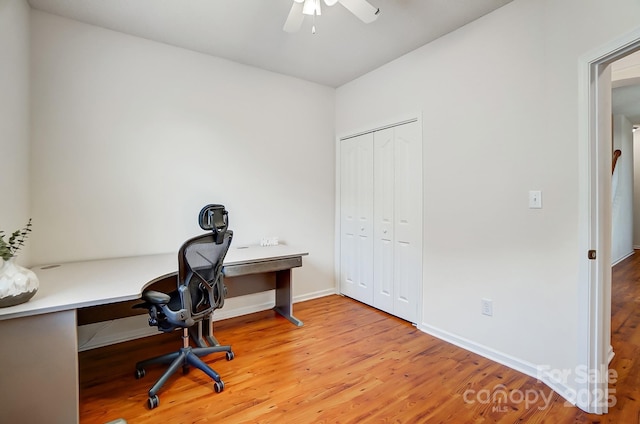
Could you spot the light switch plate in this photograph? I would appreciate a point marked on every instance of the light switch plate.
(535, 199)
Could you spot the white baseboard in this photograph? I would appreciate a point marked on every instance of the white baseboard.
(517, 364)
(105, 333)
(314, 295)
(623, 258)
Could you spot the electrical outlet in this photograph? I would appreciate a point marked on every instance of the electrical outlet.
(486, 307)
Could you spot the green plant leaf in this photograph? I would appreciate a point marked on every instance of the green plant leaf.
(10, 248)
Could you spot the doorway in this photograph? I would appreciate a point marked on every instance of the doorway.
(596, 217)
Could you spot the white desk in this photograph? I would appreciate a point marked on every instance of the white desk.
(39, 348)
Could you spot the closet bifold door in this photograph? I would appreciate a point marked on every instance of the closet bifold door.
(356, 218)
(407, 221)
(398, 220)
(381, 219)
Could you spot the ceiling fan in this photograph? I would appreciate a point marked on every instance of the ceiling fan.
(361, 8)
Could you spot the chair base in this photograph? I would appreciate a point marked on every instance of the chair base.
(185, 357)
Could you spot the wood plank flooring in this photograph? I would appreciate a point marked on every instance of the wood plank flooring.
(350, 364)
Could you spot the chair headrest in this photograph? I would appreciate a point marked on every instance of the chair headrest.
(214, 217)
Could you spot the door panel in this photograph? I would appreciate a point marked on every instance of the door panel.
(407, 220)
(356, 193)
(383, 219)
(348, 188)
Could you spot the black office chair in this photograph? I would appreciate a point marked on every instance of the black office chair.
(201, 290)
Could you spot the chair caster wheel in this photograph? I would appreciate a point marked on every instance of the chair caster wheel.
(185, 369)
(230, 356)
(153, 401)
(218, 386)
(140, 373)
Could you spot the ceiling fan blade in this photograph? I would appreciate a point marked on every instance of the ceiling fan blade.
(295, 18)
(362, 9)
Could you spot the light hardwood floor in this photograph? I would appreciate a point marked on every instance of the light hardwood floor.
(350, 364)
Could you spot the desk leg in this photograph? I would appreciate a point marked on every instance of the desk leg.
(284, 296)
(39, 382)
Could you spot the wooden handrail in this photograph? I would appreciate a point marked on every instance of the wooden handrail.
(616, 154)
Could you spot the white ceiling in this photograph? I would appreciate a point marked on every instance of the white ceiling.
(250, 31)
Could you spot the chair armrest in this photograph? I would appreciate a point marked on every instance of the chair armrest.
(155, 297)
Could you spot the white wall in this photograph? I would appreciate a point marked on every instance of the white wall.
(14, 117)
(132, 137)
(622, 191)
(511, 80)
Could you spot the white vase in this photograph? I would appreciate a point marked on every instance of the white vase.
(17, 284)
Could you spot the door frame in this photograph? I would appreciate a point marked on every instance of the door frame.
(594, 152)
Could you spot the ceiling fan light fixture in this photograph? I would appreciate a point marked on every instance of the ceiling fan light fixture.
(364, 10)
(311, 7)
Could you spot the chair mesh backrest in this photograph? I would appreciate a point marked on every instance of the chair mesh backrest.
(200, 272)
